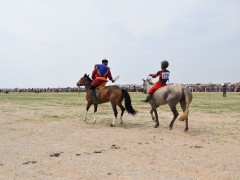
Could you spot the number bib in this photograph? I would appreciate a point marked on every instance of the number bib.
(165, 75)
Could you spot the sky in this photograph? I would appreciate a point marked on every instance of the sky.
(53, 43)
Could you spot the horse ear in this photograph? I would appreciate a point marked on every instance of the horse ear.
(143, 80)
(88, 75)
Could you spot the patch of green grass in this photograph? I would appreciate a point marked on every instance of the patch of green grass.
(212, 103)
(42, 98)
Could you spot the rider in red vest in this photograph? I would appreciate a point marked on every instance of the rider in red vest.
(163, 78)
(99, 75)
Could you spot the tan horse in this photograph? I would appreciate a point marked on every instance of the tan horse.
(172, 95)
(113, 94)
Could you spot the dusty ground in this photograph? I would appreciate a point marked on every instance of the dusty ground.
(74, 149)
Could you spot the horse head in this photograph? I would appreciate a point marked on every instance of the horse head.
(85, 80)
(147, 84)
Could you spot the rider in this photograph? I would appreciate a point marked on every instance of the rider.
(163, 78)
(99, 75)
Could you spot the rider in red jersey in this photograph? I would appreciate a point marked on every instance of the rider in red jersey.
(163, 78)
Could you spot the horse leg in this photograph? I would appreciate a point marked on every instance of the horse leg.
(153, 118)
(122, 109)
(156, 116)
(114, 107)
(186, 125)
(87, 108)
(175, 115)
(183, 106)
(94, 114)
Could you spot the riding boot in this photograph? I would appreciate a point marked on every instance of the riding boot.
(94, 96)
(147, 98)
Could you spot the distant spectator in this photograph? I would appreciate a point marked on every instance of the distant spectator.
(224, 90)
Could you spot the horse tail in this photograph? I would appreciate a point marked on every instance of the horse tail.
(188, 100)
(128, 104)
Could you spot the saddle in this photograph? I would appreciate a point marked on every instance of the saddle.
(99, 88)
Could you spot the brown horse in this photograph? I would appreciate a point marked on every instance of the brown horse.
(172, 95)
(113, 94)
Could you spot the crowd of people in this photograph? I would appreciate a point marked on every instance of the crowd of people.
(129, 88)
(132, 88)
(229, 87)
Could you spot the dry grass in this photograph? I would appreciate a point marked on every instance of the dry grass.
(43, 136)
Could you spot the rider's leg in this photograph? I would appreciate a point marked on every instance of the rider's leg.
(93, 93)
(151, 91)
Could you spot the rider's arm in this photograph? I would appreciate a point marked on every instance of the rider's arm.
(109, 75)
(94, 73)
(154, 75)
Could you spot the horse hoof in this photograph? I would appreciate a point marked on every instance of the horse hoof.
(156, 125)
(112, 125)
(186, 129)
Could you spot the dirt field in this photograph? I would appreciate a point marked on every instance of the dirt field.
(52, 141)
